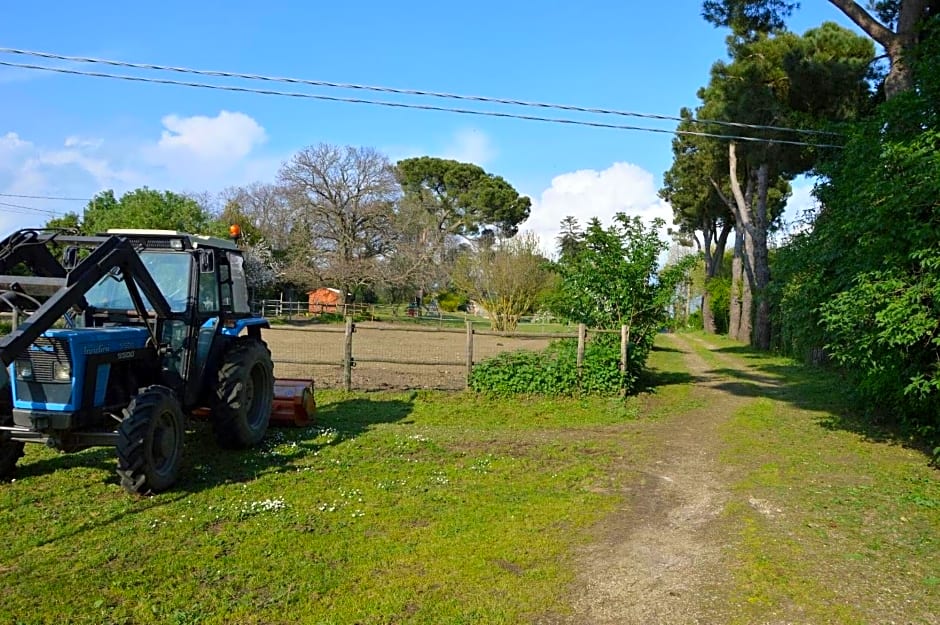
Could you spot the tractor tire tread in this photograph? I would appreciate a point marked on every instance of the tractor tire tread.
(131, 454)
(10, 453)
(229, 418)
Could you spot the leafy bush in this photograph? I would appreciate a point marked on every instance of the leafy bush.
(554, 371)
(330, 317)
(864, 283)
(5, 327)
(451, 301)
(719, 293)
(611, 278)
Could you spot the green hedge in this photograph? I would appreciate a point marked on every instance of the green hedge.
(554, 371)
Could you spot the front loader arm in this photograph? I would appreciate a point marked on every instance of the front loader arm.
(30, 247)
(114, 252)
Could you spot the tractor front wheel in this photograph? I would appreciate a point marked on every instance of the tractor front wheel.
(244, 395)
(150, 441)
(10, 452)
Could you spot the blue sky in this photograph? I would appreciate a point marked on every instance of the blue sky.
(74, 136)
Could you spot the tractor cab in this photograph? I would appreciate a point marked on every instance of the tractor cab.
(203, 281)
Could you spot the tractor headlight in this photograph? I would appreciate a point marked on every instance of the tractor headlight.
(24, 370)
(61, 371)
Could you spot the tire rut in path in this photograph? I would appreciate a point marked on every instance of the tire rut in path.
(659, 558)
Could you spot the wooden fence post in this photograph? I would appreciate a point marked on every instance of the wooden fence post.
(624, 347)
(469, 350)
(348, 355)
(582, 339)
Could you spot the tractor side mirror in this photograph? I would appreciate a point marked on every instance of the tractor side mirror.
(207, 261)
(70, 258)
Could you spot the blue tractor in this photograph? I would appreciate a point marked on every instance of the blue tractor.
(118, 338)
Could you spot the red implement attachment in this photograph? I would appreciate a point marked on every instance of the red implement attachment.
(294, 402)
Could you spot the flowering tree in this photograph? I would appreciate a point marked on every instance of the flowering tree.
(262, 270)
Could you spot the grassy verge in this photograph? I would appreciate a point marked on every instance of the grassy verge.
(833, 520)
(666, 387)
(417, 508)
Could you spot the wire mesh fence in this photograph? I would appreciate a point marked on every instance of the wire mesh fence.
(377, 356)
(424, 316)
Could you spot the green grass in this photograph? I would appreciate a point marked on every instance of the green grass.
(827, 508)
(418, 508)
(666, 388)
(431, 507)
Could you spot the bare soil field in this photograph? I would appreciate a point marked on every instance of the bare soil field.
(424, 357)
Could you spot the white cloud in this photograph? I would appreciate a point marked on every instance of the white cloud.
(13, 150)
(196, 153)
(471, 146)
(80, 142)
(202, 152)
(467, 146)
(11, 141)
(104, 173)
(587, 193)
(227, 136)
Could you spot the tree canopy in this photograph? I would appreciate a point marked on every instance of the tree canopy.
(463, 197)
(612, 279)
(506, 279)
(144, 208)
(897, 25)
(343, 198)
(862, 286)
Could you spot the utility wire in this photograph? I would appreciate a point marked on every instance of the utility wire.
(47, 197)
(395, 90)
(424, 107)
(28, 208)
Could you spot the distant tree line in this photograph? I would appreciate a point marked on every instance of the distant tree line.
(343, 217)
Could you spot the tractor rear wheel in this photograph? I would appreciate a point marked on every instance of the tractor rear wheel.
(244, 395)
(150, 441)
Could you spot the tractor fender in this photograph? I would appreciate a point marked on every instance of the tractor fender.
(254, 325)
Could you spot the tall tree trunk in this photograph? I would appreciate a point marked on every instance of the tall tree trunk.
(708, 315)
(737, 286)
(761, 262)
(744, 228)
(895, 42)
(713, 260)
(746, 323)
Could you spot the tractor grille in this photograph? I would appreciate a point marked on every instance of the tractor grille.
(158, 244)
(42, 356)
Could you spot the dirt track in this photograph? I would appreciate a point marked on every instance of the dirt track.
(659, 559)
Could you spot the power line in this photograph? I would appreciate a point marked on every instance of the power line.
(403, 105)
(28, 208)
(399, 91)
(47, 197)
